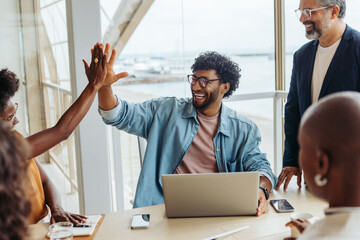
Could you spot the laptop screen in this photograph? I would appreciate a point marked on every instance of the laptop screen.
(211, 194)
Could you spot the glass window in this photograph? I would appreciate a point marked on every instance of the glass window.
(54, 55)
(352, 17)
(176, 33)
(108, 9)
(35, 34)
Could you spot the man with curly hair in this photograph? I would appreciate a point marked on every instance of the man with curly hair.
(14, 208)
(191, 135)
(42, 192)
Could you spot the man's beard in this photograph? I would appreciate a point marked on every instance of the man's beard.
(316, 33)
(210, 99)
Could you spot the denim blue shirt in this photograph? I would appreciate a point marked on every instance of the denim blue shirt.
(169, 125)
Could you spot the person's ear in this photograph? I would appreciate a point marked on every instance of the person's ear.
(323, 163)
(335, 10)
(225, 88)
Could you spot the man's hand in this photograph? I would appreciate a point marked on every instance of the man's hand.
(59, 215)
(111, 77)
(301, 225)
(263, 205)
(286, 175)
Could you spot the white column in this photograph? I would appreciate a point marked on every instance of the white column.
(84, 30)
(277, 135)
(278, 130)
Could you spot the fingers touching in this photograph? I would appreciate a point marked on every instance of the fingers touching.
(107, 51)
(112, 57)
(101, 72)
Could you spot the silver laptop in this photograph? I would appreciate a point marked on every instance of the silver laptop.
(211, 194)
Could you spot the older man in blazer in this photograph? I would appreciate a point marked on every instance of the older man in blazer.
(328, 64)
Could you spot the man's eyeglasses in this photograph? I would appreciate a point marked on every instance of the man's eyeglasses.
(12, 116)
(203, 81)
(307, 12)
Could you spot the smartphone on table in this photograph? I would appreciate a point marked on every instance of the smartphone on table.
(140, 221)
(281, 205)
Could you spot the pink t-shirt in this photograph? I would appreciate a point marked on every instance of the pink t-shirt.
(200, 158)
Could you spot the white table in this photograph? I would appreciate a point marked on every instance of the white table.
(268, 226)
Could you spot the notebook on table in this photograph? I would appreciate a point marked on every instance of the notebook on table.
(211, 194)
(91, 221)
(88, 228)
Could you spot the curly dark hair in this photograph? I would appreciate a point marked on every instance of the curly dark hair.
(9, 84)
(227, 70)
(14, 208)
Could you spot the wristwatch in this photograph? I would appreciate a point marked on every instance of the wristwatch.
(265, 191)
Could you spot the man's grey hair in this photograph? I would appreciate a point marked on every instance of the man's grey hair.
(340, 3)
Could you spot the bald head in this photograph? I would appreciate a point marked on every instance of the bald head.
(333, 126)
(329, 139)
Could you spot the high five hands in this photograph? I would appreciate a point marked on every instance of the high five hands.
(101, 72)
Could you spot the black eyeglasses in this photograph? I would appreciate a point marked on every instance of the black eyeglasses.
(203, 81)
(12, 116)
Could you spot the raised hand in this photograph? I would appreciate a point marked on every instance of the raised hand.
(111, 76)
(97, 71)
(106, 97)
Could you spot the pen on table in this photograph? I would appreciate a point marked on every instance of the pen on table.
(226, 233)
(82, 225)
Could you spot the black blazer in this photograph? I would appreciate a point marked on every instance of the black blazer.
(343, 75)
